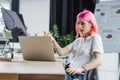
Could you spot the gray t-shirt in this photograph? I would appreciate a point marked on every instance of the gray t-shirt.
(81, 51)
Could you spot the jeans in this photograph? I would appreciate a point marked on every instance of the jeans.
(75, 77)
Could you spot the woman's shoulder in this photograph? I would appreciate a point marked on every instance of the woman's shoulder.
(77, 40)
(96, 36)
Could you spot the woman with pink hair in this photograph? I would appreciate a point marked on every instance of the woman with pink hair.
(85, 52)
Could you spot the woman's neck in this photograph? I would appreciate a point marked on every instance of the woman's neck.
(86, 35)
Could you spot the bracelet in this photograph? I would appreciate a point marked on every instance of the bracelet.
(54, 44)
(84, 68)
(53, 41)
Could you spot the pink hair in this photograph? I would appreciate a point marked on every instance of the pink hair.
(89, 17)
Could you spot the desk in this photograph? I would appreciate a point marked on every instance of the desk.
(31, 70)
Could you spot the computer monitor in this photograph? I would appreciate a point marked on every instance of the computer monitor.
(3, 43)
(14, 23)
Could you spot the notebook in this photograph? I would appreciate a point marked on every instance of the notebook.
(37, 48)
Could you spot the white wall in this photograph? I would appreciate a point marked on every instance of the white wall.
(36, 15)
(109, 68)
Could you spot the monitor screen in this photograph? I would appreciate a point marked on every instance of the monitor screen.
(2, 46)
(14, 22)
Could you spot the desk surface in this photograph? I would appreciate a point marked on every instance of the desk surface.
(32, 67)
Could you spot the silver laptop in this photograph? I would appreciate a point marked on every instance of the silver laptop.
(36, 48)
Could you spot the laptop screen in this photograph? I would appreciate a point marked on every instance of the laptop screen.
(37, 48)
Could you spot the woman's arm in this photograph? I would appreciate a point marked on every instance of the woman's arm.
(59, 50)
(94, 63)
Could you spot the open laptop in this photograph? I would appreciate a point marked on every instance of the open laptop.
(36, 48)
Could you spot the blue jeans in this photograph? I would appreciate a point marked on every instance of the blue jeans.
(79, 77)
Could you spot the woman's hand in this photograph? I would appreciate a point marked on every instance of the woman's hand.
(73, 71)
(48, 34)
